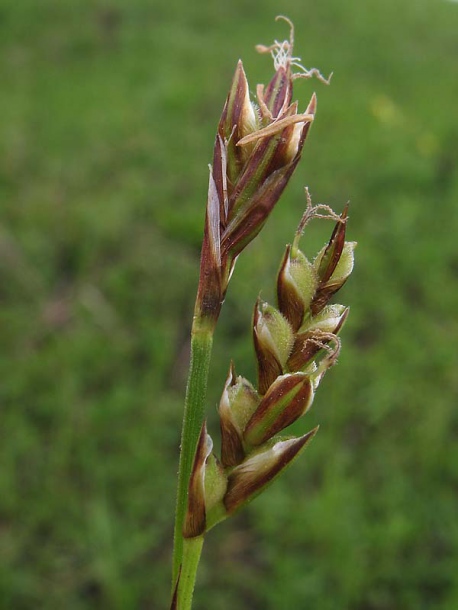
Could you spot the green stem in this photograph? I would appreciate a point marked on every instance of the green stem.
(201, 347)
(192, 549)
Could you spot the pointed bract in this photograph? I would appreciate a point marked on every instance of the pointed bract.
(327, 260)
(333, 265)
(286, 400)
(278, 93)
(238, 120)
(297, 282)
(341, 273)
(215, 489)
(256, 472)
(238, 403)
(273, 339)
(195, 519)
(210, 292)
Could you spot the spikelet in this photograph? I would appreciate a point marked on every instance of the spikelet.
(294, 345)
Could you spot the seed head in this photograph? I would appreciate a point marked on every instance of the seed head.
(257, 149)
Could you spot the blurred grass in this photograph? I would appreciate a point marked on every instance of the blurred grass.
(108, 111)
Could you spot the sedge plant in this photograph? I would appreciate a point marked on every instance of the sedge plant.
(257, 149)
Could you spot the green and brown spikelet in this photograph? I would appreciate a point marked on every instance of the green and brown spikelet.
(257, 149)
(295, 344)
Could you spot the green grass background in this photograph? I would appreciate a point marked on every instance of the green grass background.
(108, 113)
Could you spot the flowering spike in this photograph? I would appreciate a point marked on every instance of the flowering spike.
(256, 150)
(255, 155)
(286, 400)
(246, 481)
